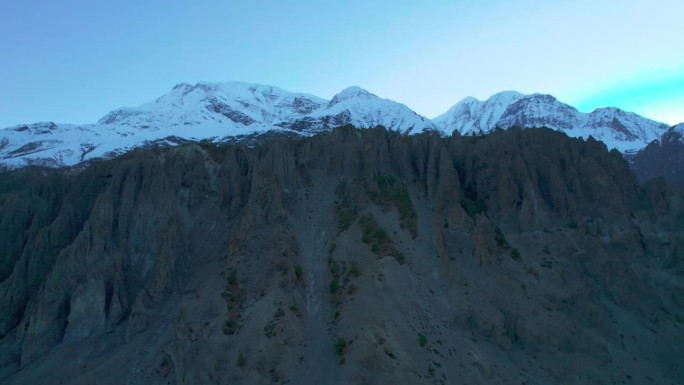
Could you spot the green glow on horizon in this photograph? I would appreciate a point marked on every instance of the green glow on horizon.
(657, 95)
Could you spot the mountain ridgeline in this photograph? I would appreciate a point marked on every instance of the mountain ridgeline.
(353, 256)
(662, 158)
(227, 112)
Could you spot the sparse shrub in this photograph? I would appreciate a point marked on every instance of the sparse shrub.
(241, 361)
(400, 257)
(345, 218)
(515, 254)
(354, 269)
(395, 193)
(352, 289)
(344, 207)
(422, 340)
(499, 237)
(473, 207)
(334, 287)
(234, 297)
(375, 236)
(572, 224)
(340, 346)
(299, 273)
(230, 327)
(232, 277)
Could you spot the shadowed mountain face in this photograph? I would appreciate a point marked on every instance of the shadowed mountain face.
(662, 158)
(350, 257)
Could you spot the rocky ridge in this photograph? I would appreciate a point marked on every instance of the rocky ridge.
(354, 256)
(662, 158)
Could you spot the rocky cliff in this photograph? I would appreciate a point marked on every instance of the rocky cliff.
(662, 158)
(522, 256)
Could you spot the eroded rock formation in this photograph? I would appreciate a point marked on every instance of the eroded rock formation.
(350, 257)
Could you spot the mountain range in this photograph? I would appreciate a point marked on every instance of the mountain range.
(234, 110)
(362, 256)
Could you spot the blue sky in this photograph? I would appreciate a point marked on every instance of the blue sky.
(72, 61)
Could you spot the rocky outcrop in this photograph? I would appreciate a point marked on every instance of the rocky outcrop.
(662, 158)
(348, 257)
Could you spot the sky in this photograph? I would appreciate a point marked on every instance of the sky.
(72, 61)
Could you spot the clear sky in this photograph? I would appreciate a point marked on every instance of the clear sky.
(72, 61)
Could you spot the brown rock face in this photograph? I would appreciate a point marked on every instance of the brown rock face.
(357, 256)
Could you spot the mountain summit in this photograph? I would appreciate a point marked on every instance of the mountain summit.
(225, 111)
(360, 108)
(224, 104)
(624, 131)
(353, 92)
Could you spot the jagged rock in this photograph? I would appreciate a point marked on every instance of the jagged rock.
(86, 311)
(519, 256)
(663, 157)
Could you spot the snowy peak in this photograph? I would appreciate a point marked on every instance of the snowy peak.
(540, 110)
(505, 97)
(471, 115)
(358, 107)
(255, 93)
(222, 103)
(619, 129)
(361, 108)
(218, 111)
(214, 111)
(350, 93)
(626, 126)
(467, 100)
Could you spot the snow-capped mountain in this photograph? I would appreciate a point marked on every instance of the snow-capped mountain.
(219, 111)
(361, 108)
(202, 111)
(624, 131)
(472, 115)
(223, 104)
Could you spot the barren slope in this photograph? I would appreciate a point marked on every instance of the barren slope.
(351, 257)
